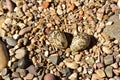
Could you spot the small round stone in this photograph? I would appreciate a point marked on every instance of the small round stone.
(49, 77)
(80, 42)
(58, 39)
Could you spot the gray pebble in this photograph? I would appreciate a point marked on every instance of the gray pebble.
(20, 53)
(108, 59)
(109, 71)
(31, 69)
(54, 58)
(10, 41)
(23, 63)
(66, 72)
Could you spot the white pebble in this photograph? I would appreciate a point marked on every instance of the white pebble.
(15, 36)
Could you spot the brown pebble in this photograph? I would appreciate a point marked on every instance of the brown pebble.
(49, 77)
(45, 4)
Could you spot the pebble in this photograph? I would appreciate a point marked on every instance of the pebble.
(72, 65)
(99, 65)
(15, 74)
(95, 77)
(54, 58)
(19, 12)
(90, 61)
(25, 30)
(80, 42)
(59, 12)
(66, 72)
(73, 76)
(108, 59)
(20, 53)
(114, 65)
(45, 4)
(100, 73)
(23, 63)
(100, 13)
(4, 72)
(10, 41)
(4, 56)
(107, 50)
(78, 57)
(49, 77)
(58, 39)
(109, 71)
(31, 69)
(29, 76)
(22, 72)
(116, 71)
(10, 5)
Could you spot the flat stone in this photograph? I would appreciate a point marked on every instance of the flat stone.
(108, 59)
(20, 53)
(109, 71)
(4, 56)
(10, 41)
(54, 58)
(90, 61)
(113, 30)
(100, 73)
(31, 69)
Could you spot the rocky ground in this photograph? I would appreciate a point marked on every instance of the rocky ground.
(60, 40)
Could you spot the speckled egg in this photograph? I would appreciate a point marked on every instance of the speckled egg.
(80, 42)
(58, 39)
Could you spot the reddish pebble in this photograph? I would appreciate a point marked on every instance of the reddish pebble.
(49, 77)
(10, 5)
(45, 4)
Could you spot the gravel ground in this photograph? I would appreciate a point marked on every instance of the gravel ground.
(60, 40)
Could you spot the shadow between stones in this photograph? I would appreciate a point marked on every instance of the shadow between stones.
(69, 38)
(92, 42)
